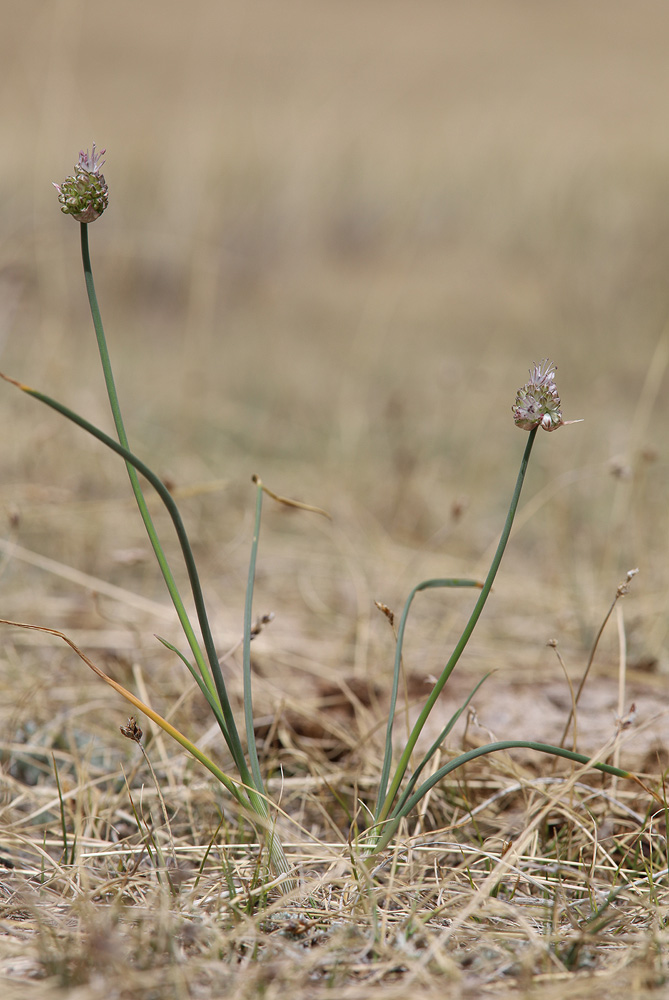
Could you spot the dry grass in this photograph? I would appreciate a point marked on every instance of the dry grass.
(339, 235)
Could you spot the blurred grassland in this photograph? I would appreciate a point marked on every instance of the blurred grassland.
(339, 235)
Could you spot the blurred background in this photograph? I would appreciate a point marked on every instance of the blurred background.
(339, 235)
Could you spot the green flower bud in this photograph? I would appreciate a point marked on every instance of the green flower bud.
(84, 194)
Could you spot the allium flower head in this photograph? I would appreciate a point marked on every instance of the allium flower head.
(538, 402)
(84, 194)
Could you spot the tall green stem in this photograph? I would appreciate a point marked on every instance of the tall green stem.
(134, 480)
(464, 639)
(232, 735)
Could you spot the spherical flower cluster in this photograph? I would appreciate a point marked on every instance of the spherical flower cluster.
(84, 194)
(538, 401)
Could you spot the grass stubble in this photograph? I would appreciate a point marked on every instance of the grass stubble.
(508, 876)
(514, 876)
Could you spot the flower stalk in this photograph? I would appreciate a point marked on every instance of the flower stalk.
(537, 405)
(384, 807)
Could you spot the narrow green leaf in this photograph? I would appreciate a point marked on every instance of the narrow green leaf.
(390, 827)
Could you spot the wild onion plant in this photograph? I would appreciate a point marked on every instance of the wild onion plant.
(84, 196)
